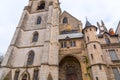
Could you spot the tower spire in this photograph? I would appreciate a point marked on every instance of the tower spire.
(87, 23)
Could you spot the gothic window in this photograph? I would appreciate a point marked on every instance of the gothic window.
(72, 43)
(24, 77)
(16, 75)
(35, 37)
(36, 72)
(63, 44)
(30, 58)
(113, 55)
(116, 73)
(38, 20)
(41, 6)
(65, 20)
(107, 40)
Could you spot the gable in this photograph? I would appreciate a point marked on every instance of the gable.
(72, 23)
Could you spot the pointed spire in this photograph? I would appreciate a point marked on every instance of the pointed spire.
(87, 23)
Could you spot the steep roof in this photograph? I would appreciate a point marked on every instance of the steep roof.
(87, 25)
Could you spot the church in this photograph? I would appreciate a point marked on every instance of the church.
(49, 44)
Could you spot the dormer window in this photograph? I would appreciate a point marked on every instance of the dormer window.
(65, 20)
(41, 6)
(107, 40)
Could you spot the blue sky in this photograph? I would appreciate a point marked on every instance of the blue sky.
(94, 10)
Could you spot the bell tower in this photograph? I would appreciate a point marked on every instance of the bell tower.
(33, 51)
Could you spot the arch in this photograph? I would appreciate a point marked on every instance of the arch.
(70, 69)
(35, 37)
(41, 5)
(65, 20)
(69, 55)
(39, 20)
(30, 58)
(25, 76)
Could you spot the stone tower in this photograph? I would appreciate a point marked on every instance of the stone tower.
(50, 45)
(34, 47)
(95, 53)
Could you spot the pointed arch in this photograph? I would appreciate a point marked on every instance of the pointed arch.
(69, 69)
(41, 5)
(35, 37)
(30, 58)
(39, 20)
(25, 76)
(50, 77)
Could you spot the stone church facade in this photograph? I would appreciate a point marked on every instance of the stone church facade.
(52, 45)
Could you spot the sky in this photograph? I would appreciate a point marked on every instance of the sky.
(94, 10)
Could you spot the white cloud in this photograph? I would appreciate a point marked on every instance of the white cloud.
(95, 10)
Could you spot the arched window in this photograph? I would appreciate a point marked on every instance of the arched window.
(24, 77)
(35, 74)
(41, 6)
(16, 75)
(35, 37)
(30, 58)
(38, 20)
(65, 20)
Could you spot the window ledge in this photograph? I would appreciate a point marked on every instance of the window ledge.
(116, 61)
